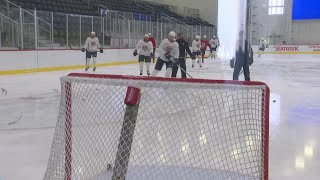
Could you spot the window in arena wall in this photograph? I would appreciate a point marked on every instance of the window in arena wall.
(276, 7)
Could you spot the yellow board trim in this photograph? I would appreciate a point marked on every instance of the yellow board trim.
(60, 68)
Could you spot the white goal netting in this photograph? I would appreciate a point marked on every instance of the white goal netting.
(179, 130)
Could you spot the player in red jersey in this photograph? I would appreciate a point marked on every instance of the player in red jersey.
(204, 45)
(153, 40)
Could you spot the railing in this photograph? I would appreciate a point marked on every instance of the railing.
(30, 26)
(102, 7)
(9, 3)
(11, 29)
(88, 2)
(43, 29)
(3, 6)
(8, 18)
(124, 35)
(145, 6)
(176, 25)
(199, 22)
(202, 21)
(174, 19)
(296, 34)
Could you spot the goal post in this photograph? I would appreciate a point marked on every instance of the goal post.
(127, 127)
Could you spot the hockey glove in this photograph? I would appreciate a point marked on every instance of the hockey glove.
(135, 53)
(250, 61)
(151, 55)
(193, 56)
(168, 56)
(101, 50)
(175, 61)
(232, 61)
(83, 49)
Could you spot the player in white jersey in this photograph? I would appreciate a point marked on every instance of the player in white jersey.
(92, 46)
(262, 47)
(196, 49)
(144, 49)
(214, 42)
(168, 52)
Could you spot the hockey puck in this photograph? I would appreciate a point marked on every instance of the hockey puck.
(274, 101)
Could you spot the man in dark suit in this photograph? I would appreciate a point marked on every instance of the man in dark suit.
(183, 48)
(244, 58)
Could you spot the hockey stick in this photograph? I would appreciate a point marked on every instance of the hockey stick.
(74, 48)
(81, 48)
(185, 71)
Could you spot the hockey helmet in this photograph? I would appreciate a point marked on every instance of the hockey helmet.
(172, 34)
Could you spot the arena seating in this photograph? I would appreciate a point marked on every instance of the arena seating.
(64, 6)
(91, 8)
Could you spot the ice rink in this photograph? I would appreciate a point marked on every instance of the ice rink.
(29, 107)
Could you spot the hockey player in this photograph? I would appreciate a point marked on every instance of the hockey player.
(262, 47)
(92, 46)
(183, 47)
(168, 52)
(145, 50)
(204, 45)
(153, 41)
(196, 48)
(214, 43)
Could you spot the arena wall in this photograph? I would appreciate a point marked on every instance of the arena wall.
(17, 62)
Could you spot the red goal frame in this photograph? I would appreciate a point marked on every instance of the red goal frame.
(68, 122)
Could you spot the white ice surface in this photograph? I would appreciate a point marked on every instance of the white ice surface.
(28, 113)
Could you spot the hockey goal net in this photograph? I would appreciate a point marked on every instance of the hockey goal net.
(141, 128)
